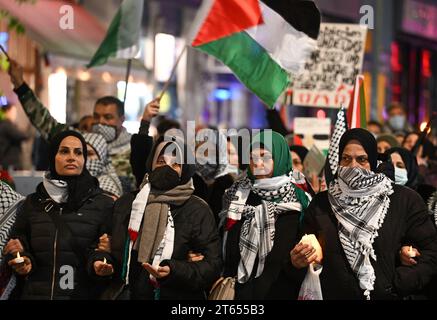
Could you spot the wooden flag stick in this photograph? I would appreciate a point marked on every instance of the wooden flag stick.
(173, 71)
(4, 52)
(129, 64)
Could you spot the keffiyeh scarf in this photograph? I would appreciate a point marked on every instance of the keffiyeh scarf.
(432, 206)
(257, 235)
(360, 199)
(9, 202)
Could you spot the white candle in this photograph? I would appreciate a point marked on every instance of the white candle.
(18, 259)
(411, 252)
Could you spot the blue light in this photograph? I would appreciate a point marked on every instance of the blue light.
(3, 100)
(222, 94)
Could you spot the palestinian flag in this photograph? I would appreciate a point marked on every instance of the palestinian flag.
(357, 113)
(262, 42)
(122, 38)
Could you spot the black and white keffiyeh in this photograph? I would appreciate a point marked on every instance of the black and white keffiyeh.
(258, 231)
(360, 200)
(9, 201)
(432, 206)
(332, 158)
(121, 144)
(102, 168)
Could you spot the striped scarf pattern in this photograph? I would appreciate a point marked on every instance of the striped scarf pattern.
(360, 200)
(258, 230)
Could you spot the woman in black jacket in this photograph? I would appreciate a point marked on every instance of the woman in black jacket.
(362, 222)
(156, 228)
(57, 229)
(262, 223)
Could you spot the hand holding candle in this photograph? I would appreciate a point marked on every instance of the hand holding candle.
(103, 268)
(19, 259)
(411, 252)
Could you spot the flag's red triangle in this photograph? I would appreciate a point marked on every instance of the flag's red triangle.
(227, 17)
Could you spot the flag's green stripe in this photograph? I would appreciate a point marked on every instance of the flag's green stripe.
(363, 111)
(252, 64)
(109, 46)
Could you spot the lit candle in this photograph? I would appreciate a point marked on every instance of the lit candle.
(18, 259)
(411, 252)
(104, 260)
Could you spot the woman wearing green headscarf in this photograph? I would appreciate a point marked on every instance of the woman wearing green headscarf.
(262, 222)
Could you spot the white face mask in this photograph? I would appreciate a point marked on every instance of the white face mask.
(401, 176)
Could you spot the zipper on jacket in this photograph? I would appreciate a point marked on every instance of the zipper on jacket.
(54, 260)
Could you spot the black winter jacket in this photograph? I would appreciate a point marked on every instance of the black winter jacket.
(195, 230)
(54, 248)
(277, 282)
(406, 223)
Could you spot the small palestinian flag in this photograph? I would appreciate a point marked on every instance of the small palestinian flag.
(357, 113)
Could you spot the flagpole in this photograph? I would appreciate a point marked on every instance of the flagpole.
(167, 84)
(129, 64)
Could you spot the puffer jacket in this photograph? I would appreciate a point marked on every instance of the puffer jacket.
(62, 253)
(195, 230)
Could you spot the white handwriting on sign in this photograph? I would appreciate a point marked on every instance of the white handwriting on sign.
(67, 20)
(329, 74)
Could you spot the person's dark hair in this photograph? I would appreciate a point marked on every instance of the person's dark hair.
(374, 123)
(112, 100)
(395, 105)
(167, 124)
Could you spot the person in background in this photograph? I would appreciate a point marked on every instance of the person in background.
(10, 139)
(397, 120)
(362, 221)
(298, 154)
(374, 127)
(99, 166)
(86, 123)
(425, 156)
(108, 121)
(385, 142)
(60, 225)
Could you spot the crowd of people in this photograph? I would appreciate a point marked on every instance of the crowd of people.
(153, 218)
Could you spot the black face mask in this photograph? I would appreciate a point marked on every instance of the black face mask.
(164, 178)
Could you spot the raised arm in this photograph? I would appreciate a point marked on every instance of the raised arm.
(35, 110)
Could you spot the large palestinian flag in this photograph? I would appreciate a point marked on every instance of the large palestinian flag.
(262, 42)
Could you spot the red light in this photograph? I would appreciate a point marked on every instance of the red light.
(321, 114)
(394, 60)
(426, 65)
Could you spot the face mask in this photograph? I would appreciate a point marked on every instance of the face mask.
(108, 132)
(164, 178)
(401, 176)
(397, 122)
(95, 167)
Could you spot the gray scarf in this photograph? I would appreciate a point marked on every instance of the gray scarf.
(156, 216)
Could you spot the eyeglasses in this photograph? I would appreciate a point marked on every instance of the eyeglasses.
(346, 160)
(264, 158)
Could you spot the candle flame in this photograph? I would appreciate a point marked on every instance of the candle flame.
(18, 254)
(104, 260)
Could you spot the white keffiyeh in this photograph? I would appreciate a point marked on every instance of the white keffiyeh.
(258, 231)
(360, 199)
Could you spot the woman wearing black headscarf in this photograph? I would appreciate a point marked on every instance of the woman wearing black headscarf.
(57, 228)
(405, 166)
(156, 228)
(362, 221)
